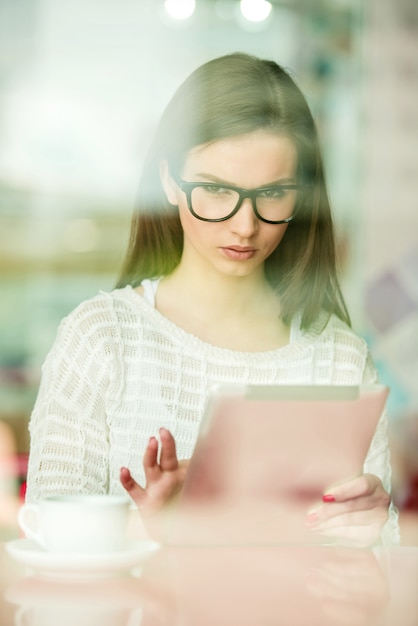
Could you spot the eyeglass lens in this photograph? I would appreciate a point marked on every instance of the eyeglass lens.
(214, 202)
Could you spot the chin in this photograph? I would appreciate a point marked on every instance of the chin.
(240, 270)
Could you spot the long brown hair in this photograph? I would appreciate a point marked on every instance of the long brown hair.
(228, 96)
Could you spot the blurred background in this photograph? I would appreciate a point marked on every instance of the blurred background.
(82, 85)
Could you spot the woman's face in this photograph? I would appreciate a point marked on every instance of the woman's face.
(240, 245)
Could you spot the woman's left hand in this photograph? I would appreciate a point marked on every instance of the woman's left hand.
(354, 512)
(164, 476)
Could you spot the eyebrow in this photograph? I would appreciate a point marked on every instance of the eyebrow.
(215, 179)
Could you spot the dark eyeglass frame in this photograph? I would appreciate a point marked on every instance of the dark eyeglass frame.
(187, 187)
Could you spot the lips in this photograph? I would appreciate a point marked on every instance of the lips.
(240, 248)
(239, 253)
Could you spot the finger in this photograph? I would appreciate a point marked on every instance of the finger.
(150, 461)
(347, 518)
(376, 504)
(151, 453)
(136, 492)
(183, 467)
(330, 511)
(351, 535)
(168, 459)
(363, 485)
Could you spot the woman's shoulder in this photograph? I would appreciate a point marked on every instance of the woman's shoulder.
(347, 352)
(107, 303)
(328, 327)
(105, 312)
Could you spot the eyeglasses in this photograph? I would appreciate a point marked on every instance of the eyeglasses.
(215, 202)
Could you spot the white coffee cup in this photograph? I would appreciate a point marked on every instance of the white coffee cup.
(84, 524)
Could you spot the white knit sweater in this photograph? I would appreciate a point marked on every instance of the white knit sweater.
(119, 370)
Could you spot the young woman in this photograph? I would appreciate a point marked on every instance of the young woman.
(230, 276)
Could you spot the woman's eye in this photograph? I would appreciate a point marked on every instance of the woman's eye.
(216, 190)
(273, 192)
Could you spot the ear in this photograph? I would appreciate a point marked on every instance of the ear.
(169, 186)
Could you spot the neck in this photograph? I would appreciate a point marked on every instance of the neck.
(219, 293)
(238, 313)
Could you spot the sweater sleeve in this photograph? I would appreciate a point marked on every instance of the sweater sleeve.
(69, 437)
(378, 463)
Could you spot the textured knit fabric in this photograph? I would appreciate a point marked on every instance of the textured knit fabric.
(119, 370)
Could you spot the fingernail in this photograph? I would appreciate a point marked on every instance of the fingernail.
(328, 498)
(312, 517)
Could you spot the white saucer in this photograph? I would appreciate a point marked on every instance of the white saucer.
(112, 593)
(105, 564)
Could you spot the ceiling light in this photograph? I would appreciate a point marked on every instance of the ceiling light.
(180, 9)
(255, 10)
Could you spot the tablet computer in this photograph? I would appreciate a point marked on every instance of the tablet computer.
(266, 454)
(260, 442)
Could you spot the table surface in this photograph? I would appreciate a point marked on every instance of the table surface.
(225, 586)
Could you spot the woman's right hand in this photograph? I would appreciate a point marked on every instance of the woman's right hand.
(164, 479)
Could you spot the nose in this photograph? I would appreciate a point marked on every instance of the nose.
(245, 223)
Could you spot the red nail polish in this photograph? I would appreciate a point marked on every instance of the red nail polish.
(328, 498)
